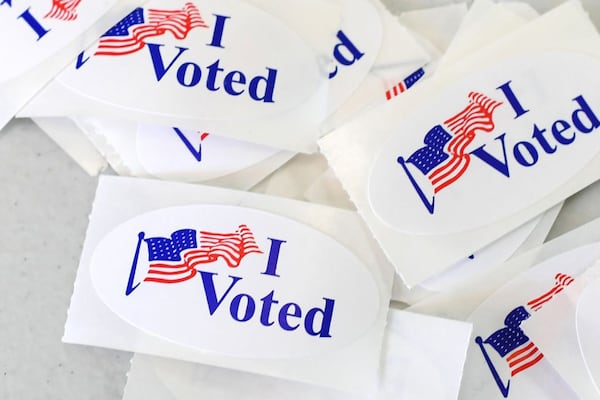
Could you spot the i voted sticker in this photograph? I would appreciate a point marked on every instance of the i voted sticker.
(504, 362)
(489, 146)
(35, 30)
(235, 281)
(254, 71)
(203, 59)
(194, 156)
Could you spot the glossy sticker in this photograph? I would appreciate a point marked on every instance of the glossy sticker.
(40, 38)
(235, 281)
(489, 146)
(33, 31)
(503, 361)
(203, 59)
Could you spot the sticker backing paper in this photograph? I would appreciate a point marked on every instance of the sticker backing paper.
(170, 247)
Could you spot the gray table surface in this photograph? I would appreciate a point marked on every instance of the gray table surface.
(45, 199)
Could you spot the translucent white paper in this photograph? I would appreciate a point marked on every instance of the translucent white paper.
(181, 155)
(417, 363)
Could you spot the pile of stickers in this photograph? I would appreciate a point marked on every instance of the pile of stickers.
(321, 199)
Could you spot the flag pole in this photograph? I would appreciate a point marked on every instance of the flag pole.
(429, 205)
(130, 288)
(503, 389)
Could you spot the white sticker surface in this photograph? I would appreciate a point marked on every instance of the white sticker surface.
(503, 362)
(489, 146)
(235, 281)
(194, 156)
(207, 55)
(40, 38)
(32, 32)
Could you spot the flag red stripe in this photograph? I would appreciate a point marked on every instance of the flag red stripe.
(166, 272)
(564, 279)
(517, 353)
(160, 280)
(443, 171)
(230, 247)
(452, 163)
(169, 273)
(457, 173)
(64, 10)
(477, 115)
(526, 365)
(459, 143)
(178, 22)
(545, 297)
(537, 306)
(520, 360)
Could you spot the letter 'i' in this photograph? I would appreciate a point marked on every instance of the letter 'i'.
(273, 257)
(217, 37)
(34, 24)
(512, 99)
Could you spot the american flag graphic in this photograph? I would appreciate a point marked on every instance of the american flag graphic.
(129, 35)
(175, 259)
(64, 10)
(404, 84)
(512, 344)
(231, 247)
(444, 158)
(562, 281)
(477, 115)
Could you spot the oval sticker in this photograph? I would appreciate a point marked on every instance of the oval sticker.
(490, 146)
(35, 30)
(235, 281)
(494, 369)
(194, 156)
(205, 59)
